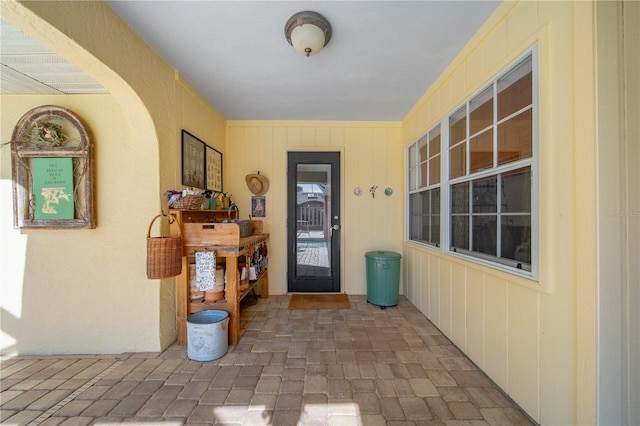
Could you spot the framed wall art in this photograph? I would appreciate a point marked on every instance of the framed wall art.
(52, 170)
(193, 161)
(258, 206)
(214, 169)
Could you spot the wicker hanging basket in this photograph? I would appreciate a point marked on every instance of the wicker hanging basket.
(164, 254)
(246, 227)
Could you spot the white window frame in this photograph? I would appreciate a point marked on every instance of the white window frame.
(446, 183)
(416, 185)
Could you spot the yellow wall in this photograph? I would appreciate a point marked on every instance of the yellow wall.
(617, 238)
(534, 338)
(521, 332)
(61, 289)
(371, 154)
(86, 291)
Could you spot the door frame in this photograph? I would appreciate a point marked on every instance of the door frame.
(340, 150)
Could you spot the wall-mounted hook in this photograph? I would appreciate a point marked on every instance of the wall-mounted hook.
(372, 190)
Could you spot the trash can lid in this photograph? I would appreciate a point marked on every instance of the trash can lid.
(382, 254)
(209, 316)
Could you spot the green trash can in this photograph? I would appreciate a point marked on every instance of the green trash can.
(383, 278)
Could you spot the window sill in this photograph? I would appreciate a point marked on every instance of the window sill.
(512, 275)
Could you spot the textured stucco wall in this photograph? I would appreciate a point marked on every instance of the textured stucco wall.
(102, 293)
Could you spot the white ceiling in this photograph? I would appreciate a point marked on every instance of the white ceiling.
(382, 57)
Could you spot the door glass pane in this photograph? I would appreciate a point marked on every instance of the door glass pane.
(313, 205)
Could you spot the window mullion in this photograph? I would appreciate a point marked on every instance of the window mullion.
(495, 125)
(491, 172)
(499, 179)
(470, 216)
(428, 170)
(410, 167)
(514, 114)
(417, 162)
(466, 141)
(445, 187)
(467, 172)
(499, 216)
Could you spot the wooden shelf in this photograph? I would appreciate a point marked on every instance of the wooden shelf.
(201, 305)
(204, 232)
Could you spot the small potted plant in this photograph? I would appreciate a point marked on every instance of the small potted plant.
(225, 199)
(209, 201)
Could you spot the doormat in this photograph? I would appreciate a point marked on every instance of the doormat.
(319, 301)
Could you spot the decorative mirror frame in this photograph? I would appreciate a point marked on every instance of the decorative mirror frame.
(75, 143)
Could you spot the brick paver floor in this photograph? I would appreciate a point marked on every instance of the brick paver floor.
(361, 366)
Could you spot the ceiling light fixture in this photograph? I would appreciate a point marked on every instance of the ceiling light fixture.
(308, 32)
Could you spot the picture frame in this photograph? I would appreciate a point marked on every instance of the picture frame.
(258, 206)
(193, 161)
(213, 169)
(52, 179)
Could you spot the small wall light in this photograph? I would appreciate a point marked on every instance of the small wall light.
(308, 32)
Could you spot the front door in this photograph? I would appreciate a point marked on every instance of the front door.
(313, 218)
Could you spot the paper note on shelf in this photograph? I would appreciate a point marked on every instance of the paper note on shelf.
(205, 270)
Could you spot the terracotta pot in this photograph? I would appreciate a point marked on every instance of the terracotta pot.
(213, 295)
(243, 270)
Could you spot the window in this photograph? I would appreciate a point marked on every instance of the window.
(488, 185)
(424, 188)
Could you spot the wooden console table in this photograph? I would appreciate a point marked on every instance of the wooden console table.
(201, 231)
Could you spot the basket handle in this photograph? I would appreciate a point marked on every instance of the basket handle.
(169, 217)
(231, 208)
